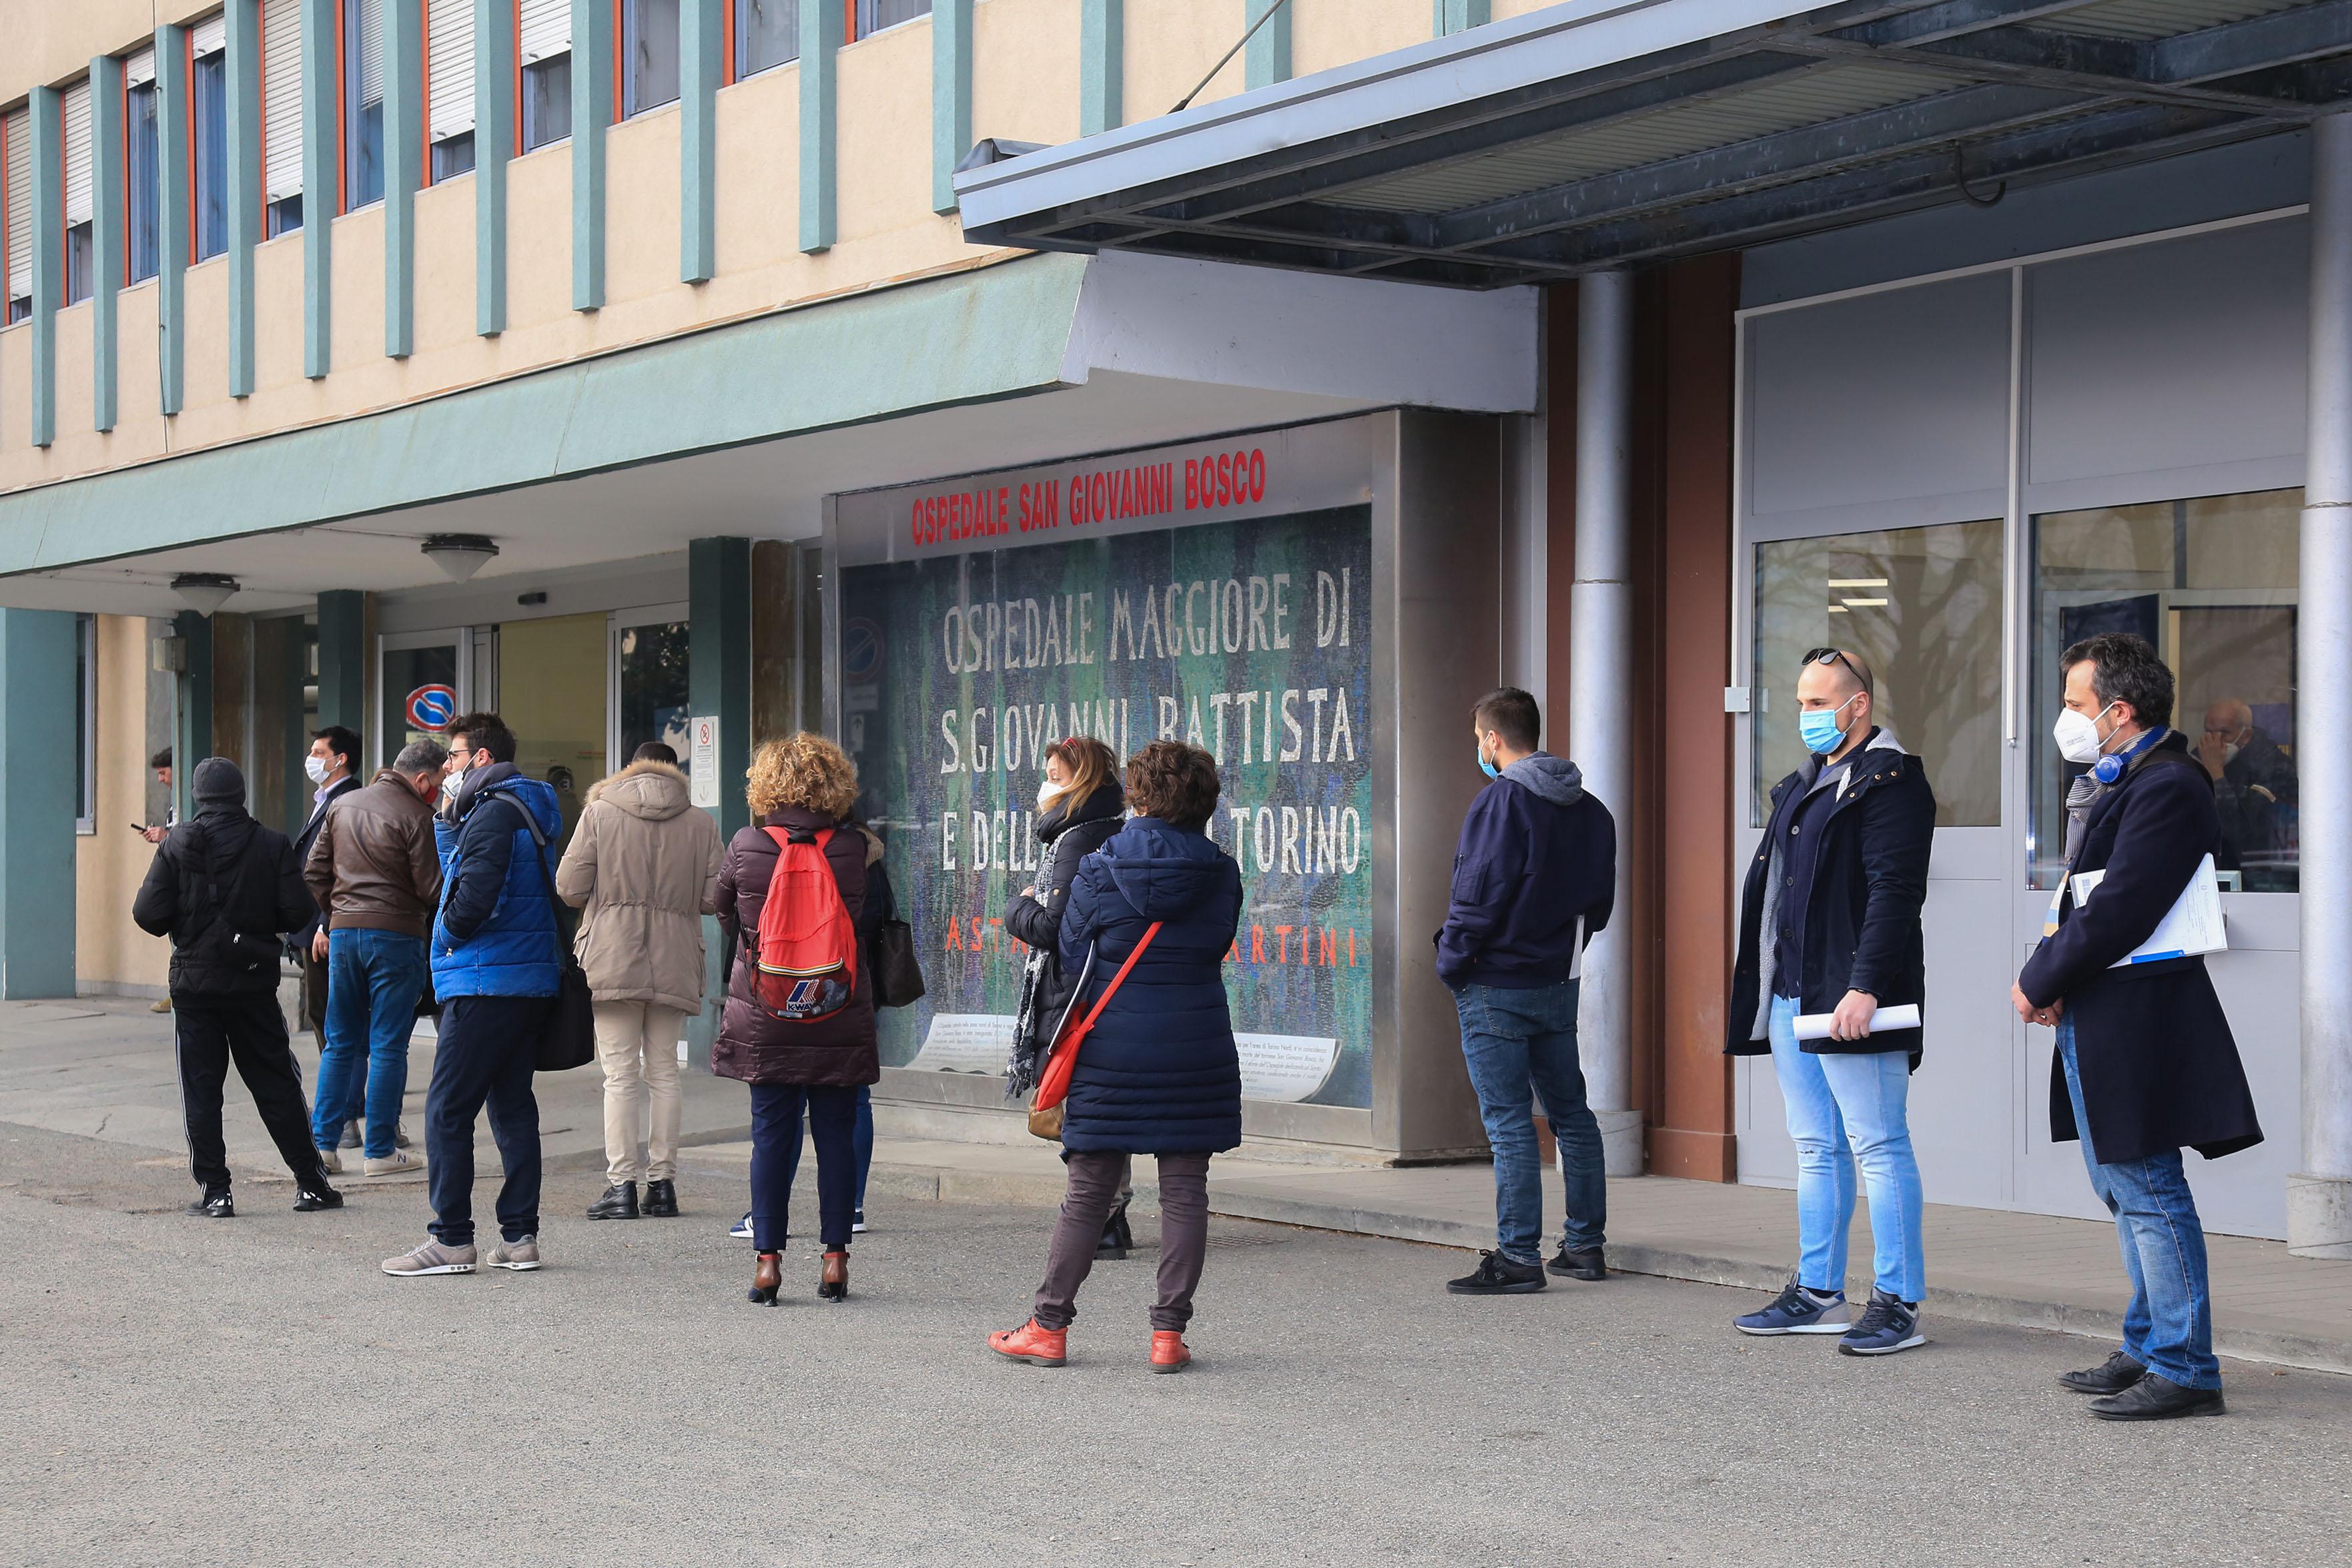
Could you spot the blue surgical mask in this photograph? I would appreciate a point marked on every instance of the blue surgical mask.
(1818, 728)
(1489, 769)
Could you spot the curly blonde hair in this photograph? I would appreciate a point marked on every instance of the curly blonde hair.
(803, 770)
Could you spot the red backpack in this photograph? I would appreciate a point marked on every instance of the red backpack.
(806, 968)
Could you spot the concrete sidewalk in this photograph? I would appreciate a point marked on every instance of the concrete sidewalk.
(103, 1068)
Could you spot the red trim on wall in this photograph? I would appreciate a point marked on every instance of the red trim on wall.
(515, 10)
(616, 62)
(125, 107)
(848, 21)
(727, 44)
(261, 70)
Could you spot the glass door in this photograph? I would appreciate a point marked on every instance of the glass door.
(422, 681)
(648, 684)
(552, 691)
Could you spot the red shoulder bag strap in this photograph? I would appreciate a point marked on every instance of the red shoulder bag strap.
(1087, 1027)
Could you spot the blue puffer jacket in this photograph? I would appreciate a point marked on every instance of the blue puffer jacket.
(495, 933)
(1159, 1074)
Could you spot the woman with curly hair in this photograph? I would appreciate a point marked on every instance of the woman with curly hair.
(804, 786)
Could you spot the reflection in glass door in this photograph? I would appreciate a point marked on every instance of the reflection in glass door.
(649, 683)
(551, 693)
(420, 687)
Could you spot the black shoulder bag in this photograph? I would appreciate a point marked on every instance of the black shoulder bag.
(569, 1038)
(891, 958)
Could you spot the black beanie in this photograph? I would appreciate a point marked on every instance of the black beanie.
(218, 779)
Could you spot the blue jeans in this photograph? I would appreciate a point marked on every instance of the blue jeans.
(861, 1146)
(487, 1050)
(373, 978)
(1847, 1109)
(2169, 1327)
(1513, 1039)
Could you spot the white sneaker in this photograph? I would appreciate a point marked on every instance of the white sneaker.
(332, 1161)
(522, 1255)
(742, 1229)
(399, 1163)
(432, 1259)
(857, 1225)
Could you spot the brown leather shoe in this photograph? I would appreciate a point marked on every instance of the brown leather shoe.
(1033, 1344)
(833, 1284)
(768, 1279)
(1168, 1352)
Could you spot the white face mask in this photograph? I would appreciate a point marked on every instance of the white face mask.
(316, 767)
(1046, 789)
(2230, 750)
(2077, 735)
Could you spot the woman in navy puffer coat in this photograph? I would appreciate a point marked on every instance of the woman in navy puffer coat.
(1159, 1074)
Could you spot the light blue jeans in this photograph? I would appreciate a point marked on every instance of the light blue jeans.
(1520, 1043)
(2169, 1327)
(1847, 1109)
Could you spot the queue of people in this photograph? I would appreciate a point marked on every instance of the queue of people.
(1130, 925)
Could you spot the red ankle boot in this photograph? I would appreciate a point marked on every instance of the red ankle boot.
(1029, 1343)
(1168, 1351)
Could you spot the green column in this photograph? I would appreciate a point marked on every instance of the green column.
(951, 97)
(718, 682)
(38, 696)
(105, 235)
(701, 44)
(172, 214)
(494, 138)
(403, 152)
(591, 110)
(244, 184)
(322, 154)
(191, 711)
(1266, 60)
(45, 113)
(1461, 16)
(821, 31)
(342, 659)
(1102, 65)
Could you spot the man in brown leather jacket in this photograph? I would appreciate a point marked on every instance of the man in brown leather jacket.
(377, 876)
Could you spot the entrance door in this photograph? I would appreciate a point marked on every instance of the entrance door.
(551, 693)
(649, 683)
(424, 680)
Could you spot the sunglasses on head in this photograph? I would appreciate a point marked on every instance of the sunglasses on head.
(1835, 656)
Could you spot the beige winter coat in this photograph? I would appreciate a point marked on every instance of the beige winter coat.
(645, 863)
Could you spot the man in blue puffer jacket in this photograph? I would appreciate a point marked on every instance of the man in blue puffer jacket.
(495, 971)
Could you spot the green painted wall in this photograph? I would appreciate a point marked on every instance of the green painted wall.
(821, 34)
(700, 65)
(106, 239)
(1102, 65)
(951, 97)
(244, 18)
(591, 110)
(1266, 60)
(494, 138)
(38, 694)
(719, 617)
(342, 659)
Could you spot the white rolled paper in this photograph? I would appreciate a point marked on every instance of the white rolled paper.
(1816, 1025)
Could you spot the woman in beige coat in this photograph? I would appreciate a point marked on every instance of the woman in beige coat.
(645, 864)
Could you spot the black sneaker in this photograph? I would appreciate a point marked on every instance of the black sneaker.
(1887, 1325)
(619, 1202)
(1117, 1240)
(1498, 1276)
(310, 1200)
(214, 1206)
(661, 1201)
(1585, 1265)
(351, 1135)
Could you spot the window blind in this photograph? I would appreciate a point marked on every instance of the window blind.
(76, 143)
(544, 28)
(370, 48)
(139, 68)
(209, 37)
(449, 59)
(16, 130)
(282, 96)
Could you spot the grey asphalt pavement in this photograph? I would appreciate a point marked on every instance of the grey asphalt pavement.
(254, 1392)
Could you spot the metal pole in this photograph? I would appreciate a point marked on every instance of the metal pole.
(2319, 1196)
(1601, 626)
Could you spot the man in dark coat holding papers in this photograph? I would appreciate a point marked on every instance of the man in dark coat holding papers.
(2145, 1065)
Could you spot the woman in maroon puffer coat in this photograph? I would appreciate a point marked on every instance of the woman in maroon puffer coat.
(803, 784)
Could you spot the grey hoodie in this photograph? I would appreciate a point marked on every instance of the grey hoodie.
(1555, 779)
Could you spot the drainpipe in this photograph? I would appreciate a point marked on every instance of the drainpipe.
(2319, 1196)
(1601, 657)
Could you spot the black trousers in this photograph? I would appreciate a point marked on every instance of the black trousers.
(776, 1154)
(488, 1049)
(208, 1032)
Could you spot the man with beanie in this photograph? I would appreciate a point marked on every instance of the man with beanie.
(1535, 878)
(226, 890)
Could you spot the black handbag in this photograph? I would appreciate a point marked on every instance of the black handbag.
(568, 1039)
(890, 951)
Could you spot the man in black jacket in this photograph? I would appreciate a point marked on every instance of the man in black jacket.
(1535, 878)
(226, 890)
(2146, 1064)
(1829, 924)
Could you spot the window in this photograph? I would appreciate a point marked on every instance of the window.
(546, 102)
(2211, 583)
(453, 156)
(543, 48)
(78, 192)
(86, 724)
(143, 236)
(652, 689)
(767, 35)
(78, 251)
(281, 116)
(648, 54)
(1922, 605)
(873, 15)
(363, 103)
(16, 210)
(448, 87)
(208, 149)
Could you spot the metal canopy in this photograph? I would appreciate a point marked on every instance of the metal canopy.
(1584, 137)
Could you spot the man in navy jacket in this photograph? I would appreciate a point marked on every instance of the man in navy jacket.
(2146, 1065)
(1535, 877)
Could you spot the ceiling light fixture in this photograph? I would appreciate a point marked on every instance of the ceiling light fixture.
(459, 555)
(205, 591)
